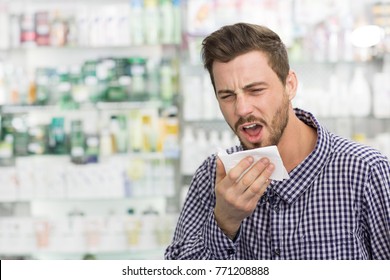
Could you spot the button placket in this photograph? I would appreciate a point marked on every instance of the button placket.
(277, 252)
(274, 202)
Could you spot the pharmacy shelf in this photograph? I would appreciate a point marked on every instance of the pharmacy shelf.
(78, 235)
(56, 178)
(131, 254)
(153, 254)
(126, 105)
(135, 254)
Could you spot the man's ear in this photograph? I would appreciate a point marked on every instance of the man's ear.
(291, 85)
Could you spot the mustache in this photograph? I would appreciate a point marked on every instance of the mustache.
(251, 118)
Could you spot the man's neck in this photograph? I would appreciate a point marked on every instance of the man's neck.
(297, 142)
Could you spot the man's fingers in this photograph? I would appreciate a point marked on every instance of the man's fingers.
(236, 172)
(258, 187)
(254, 172)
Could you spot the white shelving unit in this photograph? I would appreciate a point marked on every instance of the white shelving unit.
(123, 207)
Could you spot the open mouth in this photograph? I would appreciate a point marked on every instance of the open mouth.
(252, 131)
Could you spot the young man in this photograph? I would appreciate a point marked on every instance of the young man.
(336, 203)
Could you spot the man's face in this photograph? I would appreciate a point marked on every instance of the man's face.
(252, 99)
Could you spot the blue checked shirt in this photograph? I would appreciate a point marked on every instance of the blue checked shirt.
(335, 205)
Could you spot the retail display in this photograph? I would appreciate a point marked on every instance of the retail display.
(88, 143)
(106, 110)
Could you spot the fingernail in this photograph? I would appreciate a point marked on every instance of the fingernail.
(250, 159)
(271, 167)
(265, 160)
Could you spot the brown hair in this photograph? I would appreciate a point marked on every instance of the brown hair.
(231, 41)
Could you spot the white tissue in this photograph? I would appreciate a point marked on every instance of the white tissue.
(270, 152)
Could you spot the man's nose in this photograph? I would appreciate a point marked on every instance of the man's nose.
(243, 106)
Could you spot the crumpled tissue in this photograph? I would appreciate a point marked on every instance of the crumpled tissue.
(271, 152)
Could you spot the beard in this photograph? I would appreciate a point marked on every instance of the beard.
(276, 126)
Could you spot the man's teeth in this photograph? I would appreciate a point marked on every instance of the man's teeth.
(250, 126)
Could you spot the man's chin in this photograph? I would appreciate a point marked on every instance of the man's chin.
(251, 146)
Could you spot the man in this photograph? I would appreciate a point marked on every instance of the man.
(336, 203)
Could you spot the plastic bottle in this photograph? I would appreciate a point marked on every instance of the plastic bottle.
(27, 27)
(176, 22)
(58, 31)
(202, 146)
(147, 131)
(3, 91)
(153, 79)
(42, 27)
(118, 134)
(360, 94)
(105, 143)
(193, 103)
(135, 130)
(151, 22)
(166, 82)
(170, 144)
(167, 22)
(4, 27)
(57, 138)
(188, 150)
(214, 142)
(381, 91)
(77, 142)
(333, 40)
(137, 71)
(136, 22)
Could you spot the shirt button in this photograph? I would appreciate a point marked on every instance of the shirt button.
(230, 251)
(276, 209)
(277, 252)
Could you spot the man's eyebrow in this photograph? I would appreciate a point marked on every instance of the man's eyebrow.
(221, 91)
(254, 84)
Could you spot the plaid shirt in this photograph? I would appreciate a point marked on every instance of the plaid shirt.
(335, 205)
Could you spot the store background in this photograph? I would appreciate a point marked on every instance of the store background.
(106, 111)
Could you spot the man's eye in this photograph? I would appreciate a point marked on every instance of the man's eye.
(257, 90)
(226, 96)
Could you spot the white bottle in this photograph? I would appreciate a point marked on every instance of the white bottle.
(176, 22)
(209, 101)
(123, 26)
(106, 147)
(360, 94)
(381, 95)
(151, 22)
(202, 146)
(335, 104)
(339, 97)
(136, 22)
(333, 40)
(4, 27)
(188, 150)
(381, 91)
(343, 99)
(167, 22)
(214, 142)
(3, 95)
(193, 103)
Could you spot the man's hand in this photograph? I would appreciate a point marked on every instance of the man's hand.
(237, 195)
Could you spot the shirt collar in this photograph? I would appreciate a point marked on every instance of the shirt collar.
(302, 176)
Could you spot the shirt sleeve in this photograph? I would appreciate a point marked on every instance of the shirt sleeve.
(377, 211)
(197, 236)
